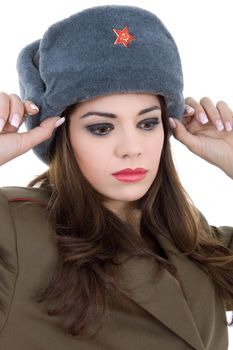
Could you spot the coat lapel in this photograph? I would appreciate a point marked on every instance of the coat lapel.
(162, 297)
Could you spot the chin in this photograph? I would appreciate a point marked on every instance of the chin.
(130, 197)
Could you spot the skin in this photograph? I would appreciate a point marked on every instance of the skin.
(131, 141)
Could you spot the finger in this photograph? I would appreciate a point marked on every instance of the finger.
(212, 112)
(30, 108)
(200, 114)
(38, 134)
(226, 114)
(188, 111)
(184, 136)
(12, 111)
(16, 111)
(188, 115)
(4, 109)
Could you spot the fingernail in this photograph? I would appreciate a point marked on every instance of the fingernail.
(228, 126)
(203, 118)
(59, 122)
(15, 120)
(2, 123)
(219, 125)
(189, 109)
(34, 107)
(172, 123)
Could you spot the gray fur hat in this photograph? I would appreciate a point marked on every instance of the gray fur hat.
(99, 51)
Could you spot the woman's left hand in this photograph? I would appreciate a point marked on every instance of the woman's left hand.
(212, 139)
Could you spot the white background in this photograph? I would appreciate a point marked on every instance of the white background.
(203, 31)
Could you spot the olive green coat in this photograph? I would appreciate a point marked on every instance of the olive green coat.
(164, 315)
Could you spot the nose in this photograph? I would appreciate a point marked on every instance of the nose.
(129, 145)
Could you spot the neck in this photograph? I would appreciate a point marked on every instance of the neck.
(129, 214)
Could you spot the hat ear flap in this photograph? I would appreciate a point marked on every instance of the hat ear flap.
(29, 74)
(36, 59)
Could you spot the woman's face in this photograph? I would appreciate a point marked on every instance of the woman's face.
(115, 132)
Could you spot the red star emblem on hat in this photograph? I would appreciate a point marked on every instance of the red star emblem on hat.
(123, 36)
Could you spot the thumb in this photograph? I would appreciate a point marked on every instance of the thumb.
(40, 133)
(182, 134)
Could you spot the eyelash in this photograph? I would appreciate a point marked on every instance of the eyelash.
(94, 127)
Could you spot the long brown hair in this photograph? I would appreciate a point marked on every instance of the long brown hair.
(91, 238)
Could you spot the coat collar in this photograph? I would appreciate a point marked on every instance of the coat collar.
(163, 298)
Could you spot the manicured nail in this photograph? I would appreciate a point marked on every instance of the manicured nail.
(228, 126)
(172, 123)
(189, 109)
(15, 120)
(203, 118)
(219, 125)
(34, 107)
(59, 122)
(2, 123)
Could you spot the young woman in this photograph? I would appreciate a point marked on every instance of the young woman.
(106, 250)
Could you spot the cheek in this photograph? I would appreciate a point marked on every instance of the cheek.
(91, 159)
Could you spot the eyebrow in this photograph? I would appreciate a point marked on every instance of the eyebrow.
(112, 115)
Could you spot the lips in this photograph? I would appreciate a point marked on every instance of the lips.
(130, 175)
(128, 171)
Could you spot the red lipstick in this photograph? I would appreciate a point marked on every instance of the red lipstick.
(130, 175)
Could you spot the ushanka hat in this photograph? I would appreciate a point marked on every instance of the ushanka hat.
(99, 51)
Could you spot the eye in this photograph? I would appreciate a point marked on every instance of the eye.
(151, 122)
(99, 129)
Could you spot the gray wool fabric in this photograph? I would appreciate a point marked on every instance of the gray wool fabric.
(99, 51)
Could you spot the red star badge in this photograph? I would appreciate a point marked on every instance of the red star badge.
(123, 37)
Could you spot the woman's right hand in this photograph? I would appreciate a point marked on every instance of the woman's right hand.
(12, 143)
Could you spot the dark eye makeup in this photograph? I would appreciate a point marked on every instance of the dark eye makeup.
(98, 129)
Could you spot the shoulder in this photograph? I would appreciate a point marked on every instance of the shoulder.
(22, 210)
(14, 194)
(224, 234)
(25, 237)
